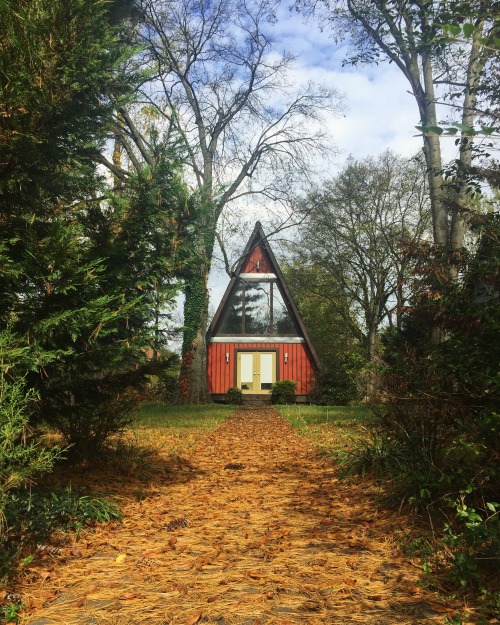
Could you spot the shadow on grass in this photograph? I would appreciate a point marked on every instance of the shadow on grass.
(151, 453)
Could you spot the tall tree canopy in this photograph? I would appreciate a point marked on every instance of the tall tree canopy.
(413, 36)
(349, 256)
(219, 79)
(77, 264)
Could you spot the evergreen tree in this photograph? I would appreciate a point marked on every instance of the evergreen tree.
(77, 263)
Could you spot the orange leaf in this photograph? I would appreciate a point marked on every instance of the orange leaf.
(181, 588)
(194, 619)
(75, 552)
(443, 609)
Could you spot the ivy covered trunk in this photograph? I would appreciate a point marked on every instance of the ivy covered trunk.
(193, 378)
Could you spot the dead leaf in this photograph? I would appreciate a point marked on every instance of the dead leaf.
(442, 609)
(374, 597)
(194, 619)
(120, 559)
(151, 552)
(172, 541)
(3, 594)
(75, 552)
(130, 595)
(416, 590)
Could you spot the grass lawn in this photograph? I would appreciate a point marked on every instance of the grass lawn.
(329, 427)
(171, 429)
(153, 415)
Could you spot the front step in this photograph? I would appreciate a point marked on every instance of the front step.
(255, 400)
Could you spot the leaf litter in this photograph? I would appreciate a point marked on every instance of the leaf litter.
(278, 541)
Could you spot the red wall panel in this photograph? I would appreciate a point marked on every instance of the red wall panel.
(221, 374)
(258, 254)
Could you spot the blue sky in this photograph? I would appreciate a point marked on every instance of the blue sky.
(379, 112)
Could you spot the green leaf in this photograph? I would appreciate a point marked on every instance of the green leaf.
(468, 29)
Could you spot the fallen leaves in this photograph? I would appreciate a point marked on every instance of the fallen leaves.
(283, 539)
(194, 619)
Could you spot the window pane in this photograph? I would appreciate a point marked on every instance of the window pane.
(282, 320)
(232, 320)
(258, 308)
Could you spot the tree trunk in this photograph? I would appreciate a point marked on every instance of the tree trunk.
(475, 66)
(193, 378)
(433, 159)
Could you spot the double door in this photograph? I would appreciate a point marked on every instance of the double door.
(256, 371)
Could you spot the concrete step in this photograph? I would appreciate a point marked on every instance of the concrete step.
(248, 399)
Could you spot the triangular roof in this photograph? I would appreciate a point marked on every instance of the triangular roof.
(258, 239)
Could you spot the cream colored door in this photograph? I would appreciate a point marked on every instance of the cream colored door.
(256, 371)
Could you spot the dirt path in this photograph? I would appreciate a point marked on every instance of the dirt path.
(273, 537)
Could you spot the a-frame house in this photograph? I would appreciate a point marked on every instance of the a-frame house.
(257, 335)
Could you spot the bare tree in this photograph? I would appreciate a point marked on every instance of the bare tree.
(218, 79)
(351, 240)
(411, 35)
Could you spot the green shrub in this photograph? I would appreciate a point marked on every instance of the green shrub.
(338, 381)
(21, 458)
(233, 396)
(283, 392)
(33, 515)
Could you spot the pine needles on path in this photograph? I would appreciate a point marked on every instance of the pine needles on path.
(252, 527)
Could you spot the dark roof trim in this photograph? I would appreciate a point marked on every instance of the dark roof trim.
(257, 237)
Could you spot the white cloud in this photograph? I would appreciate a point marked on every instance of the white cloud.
(380, 113)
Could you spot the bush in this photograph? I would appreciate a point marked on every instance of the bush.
(21, 458)
(338, 381)
(32, 516)
(233, 396)
(441, 389)
(283, 392)
(96, 413)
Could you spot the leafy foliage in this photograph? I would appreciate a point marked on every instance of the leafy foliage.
(233, 395)
(21, 459)
(439, 424)
(283, 392)
(87, 271)
(34, 515)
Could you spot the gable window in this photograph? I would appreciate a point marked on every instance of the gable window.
(257, 308)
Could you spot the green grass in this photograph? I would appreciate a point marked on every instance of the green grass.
(305, 415)
(330, 427)
(165, 416)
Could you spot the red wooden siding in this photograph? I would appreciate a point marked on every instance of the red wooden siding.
(258, 254)
(221, 374)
